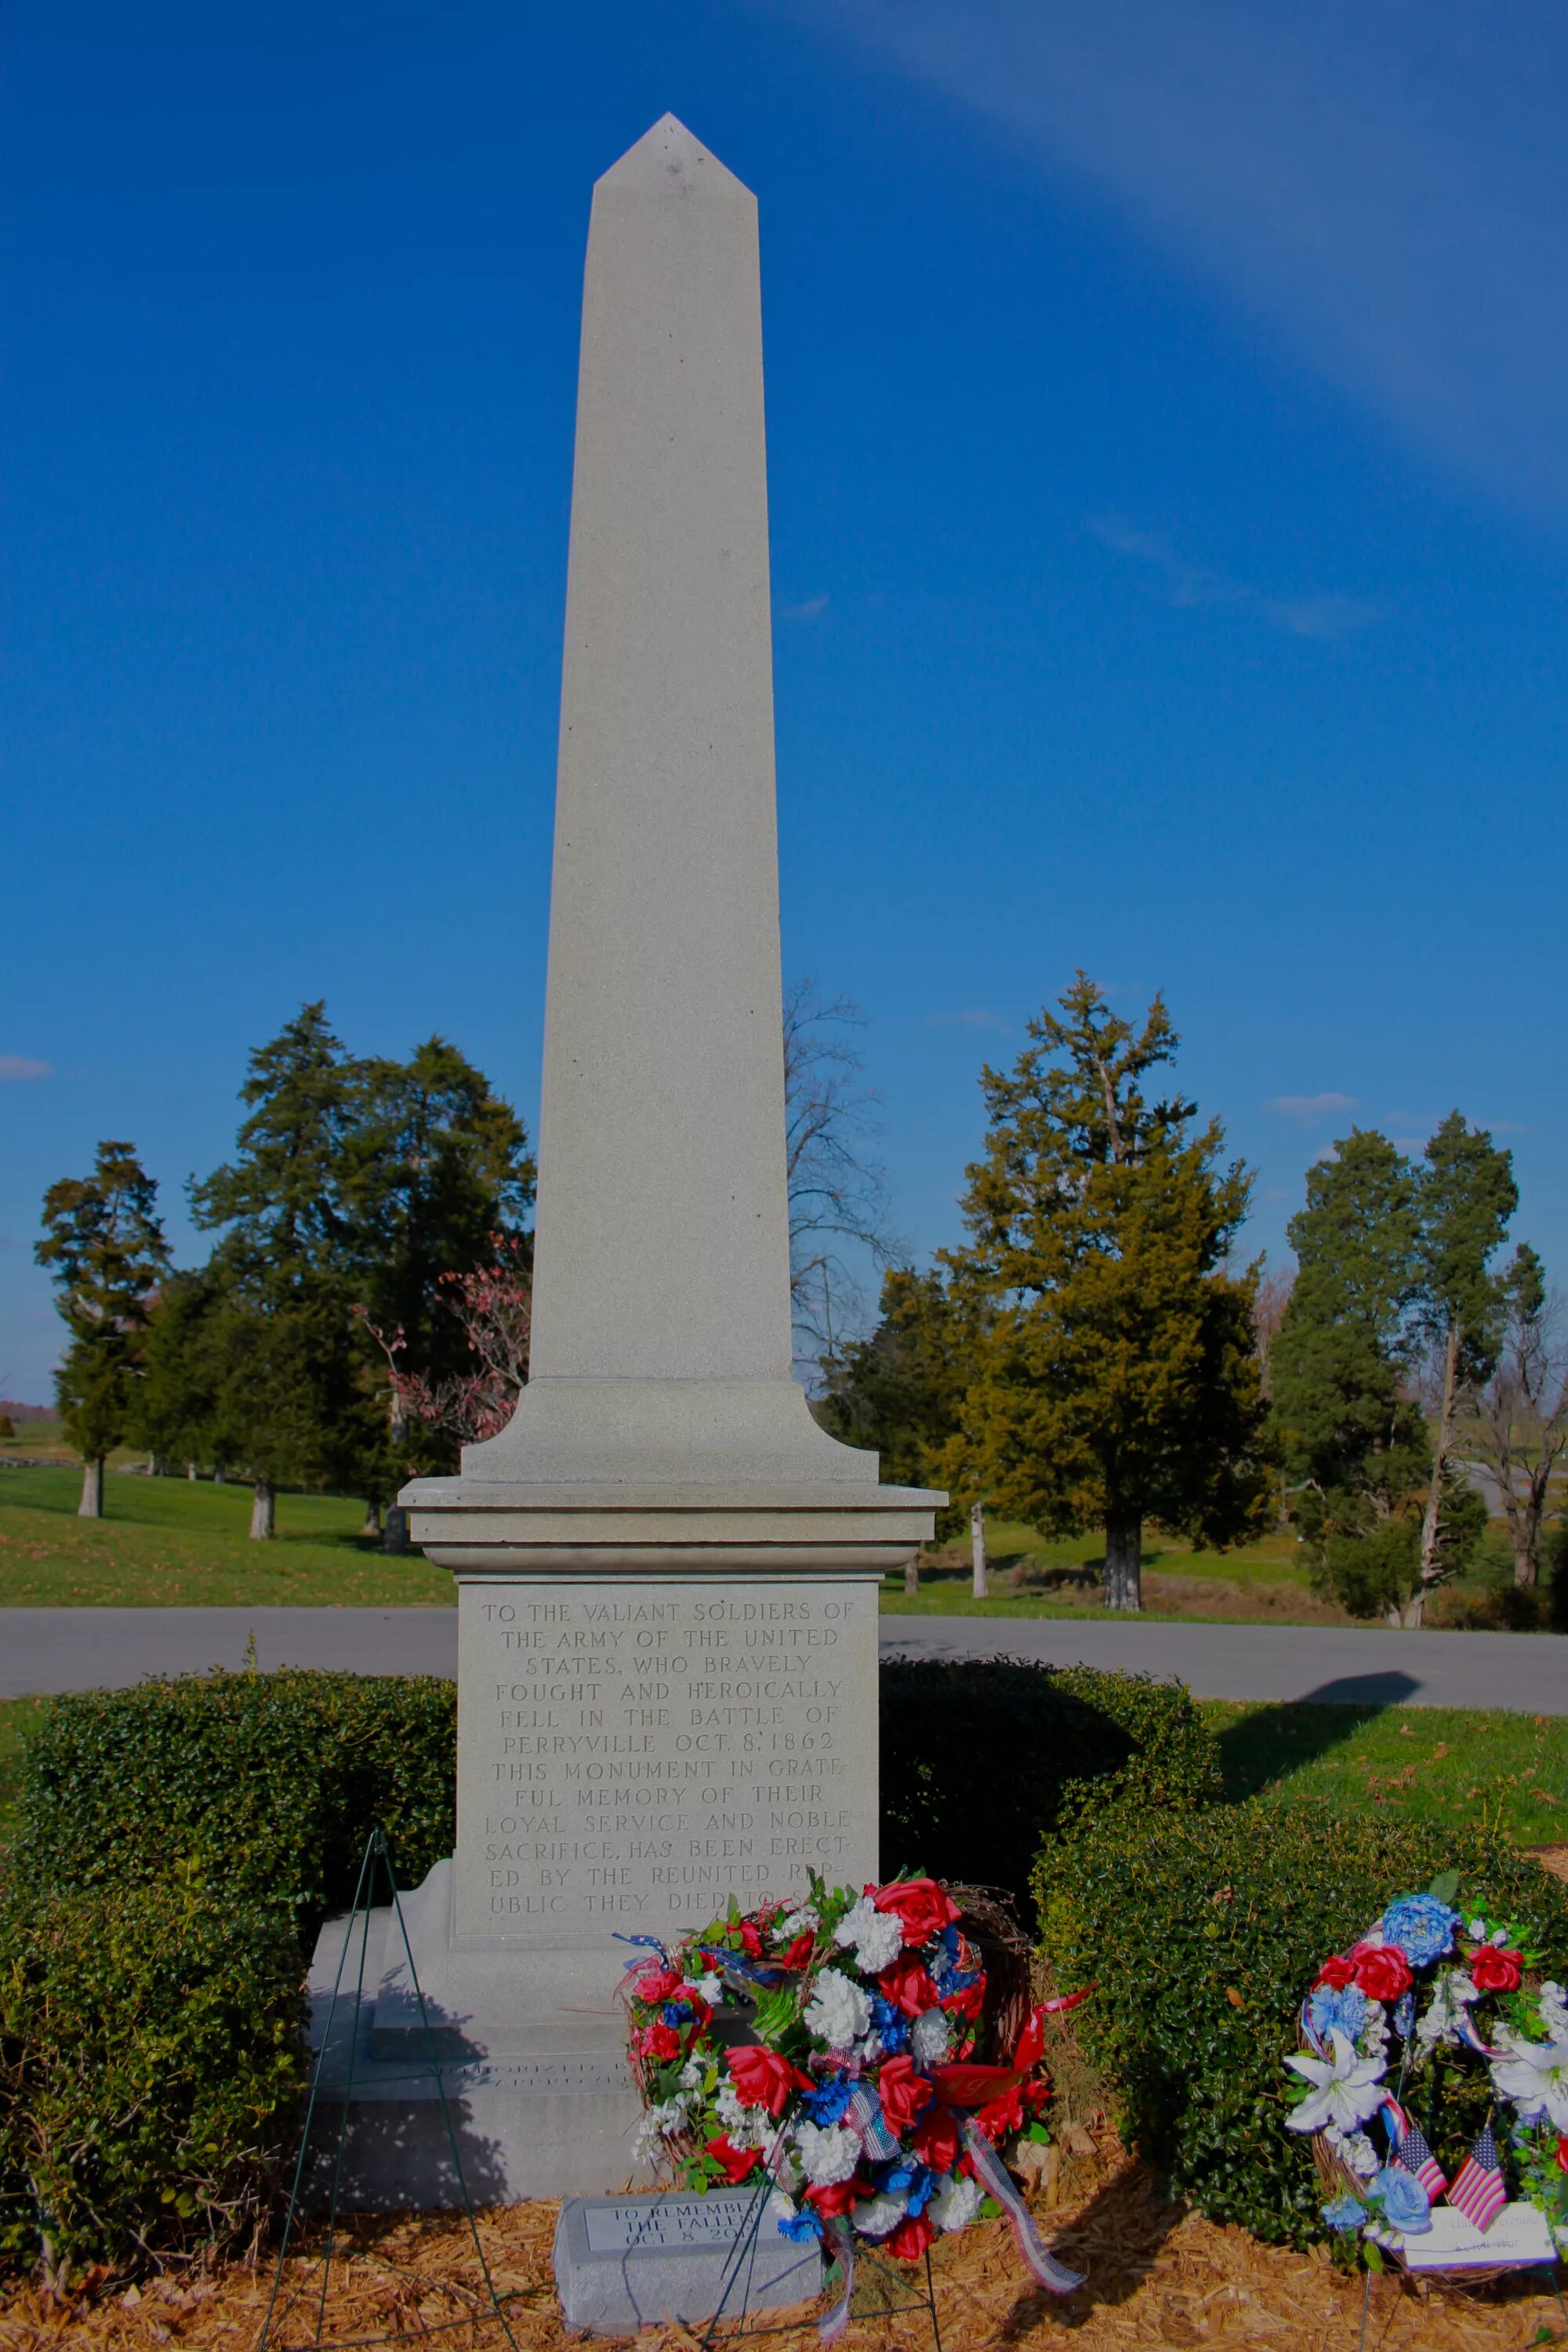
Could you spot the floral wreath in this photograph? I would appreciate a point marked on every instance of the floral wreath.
(832, 2048)
(1478, 1980)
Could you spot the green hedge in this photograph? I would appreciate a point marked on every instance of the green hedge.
(151, 2061)
(1204, 1931)
(983, 1756)
(267, 1782)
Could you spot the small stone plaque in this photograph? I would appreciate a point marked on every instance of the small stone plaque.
(1518, 2238)
(625, 2262)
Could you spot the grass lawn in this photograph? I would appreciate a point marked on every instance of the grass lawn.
(1261, 1583)
(1458, 1765)
(166, 1542)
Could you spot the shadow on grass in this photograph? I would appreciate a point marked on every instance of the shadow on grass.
(1267, 1744)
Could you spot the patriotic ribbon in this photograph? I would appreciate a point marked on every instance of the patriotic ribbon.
(831, 2326)
(992, 2175)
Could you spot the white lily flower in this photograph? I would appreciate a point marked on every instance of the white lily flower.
(1535, 2079)
(1345, 2088)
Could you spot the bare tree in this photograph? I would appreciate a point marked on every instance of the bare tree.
(492, 1306)
(838, 1193)
(1268, 1304)
(1521, 1430)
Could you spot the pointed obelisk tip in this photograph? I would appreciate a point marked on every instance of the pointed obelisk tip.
(671, 160)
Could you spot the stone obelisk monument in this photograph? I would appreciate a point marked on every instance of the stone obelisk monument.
(668, 1574)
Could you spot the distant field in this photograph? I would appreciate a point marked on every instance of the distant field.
(1261, 1583)
(170, 1542)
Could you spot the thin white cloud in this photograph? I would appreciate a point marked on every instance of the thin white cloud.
(811, 609)
(1185, 586)
(1380, 185)
(21, 1066)
(1308, 1108)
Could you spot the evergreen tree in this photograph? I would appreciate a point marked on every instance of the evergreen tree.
(1117, 1374)
(439, 1181)
(176, 1416)
(285, 1348)
(104, 1247)
(1466, 1196)
(903, 1391)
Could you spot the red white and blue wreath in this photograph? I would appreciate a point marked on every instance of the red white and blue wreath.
(1426, 1977)
(832, 2047)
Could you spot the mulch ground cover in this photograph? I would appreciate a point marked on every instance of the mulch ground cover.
(1157, 2276)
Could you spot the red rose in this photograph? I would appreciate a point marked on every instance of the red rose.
(1562, 2154)
(831, 2197)
(752, 1939)
(1494, 1970)
(1001, 2116)
(967, 2001)
(907, 1985)
(1336, 1972)
(656, 1983)
(903, 2092)
(935, 2139)
(763, 2079)
(799, 1952)
(910, 2239)
(737, 2161)
(919, 1906)
(660, 2041)
(1382, 1970)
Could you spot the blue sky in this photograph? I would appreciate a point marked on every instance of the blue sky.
(1169, 474)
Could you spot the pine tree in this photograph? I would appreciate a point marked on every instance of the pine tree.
(1117, 1373)
(104, 1247)
(1466, 1196)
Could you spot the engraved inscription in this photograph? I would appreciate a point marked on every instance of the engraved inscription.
(630, 1756)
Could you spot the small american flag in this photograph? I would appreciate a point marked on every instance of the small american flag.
(1417, 2157)
(1477, 2190)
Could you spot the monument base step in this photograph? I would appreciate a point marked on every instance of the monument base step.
(528, 2048)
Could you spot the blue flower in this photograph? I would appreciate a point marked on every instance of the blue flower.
(1344, 2212)
(826, 2103)
(1421, 1926)
(1404, 2014)
(1403, 2199)
(676, 2012)
(891, 2028)
(801, 2226)
(1338, 2013)
(922, 2188)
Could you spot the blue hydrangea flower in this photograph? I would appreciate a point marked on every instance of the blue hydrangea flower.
(1344, 2212)
(825, 2104)
(1421, 1926)
(1338, 2013)
(801, 2226)
(1403, 2199)
(891, 2026)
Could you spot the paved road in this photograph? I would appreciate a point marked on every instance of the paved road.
(87, 1649)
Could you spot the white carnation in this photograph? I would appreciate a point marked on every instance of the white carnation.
(879, 2216)
(838, 2012)
(877, 1936)
(828, 2152)
(955, 2204)
(931, 2037)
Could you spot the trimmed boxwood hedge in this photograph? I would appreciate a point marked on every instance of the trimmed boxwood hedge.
(1203, 1932)
(266, 1783)
(983, 1756)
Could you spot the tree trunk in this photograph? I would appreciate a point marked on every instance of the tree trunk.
(191, 1472)
(371, 1526)
(263, 1511)
(394, 1536)
(979, 1585)
(1431, 1517)
(91, 1504)
(913, 1578)
(218, 1474)
(1124, 1564)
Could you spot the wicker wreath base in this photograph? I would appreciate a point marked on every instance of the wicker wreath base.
(1337, 2180)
